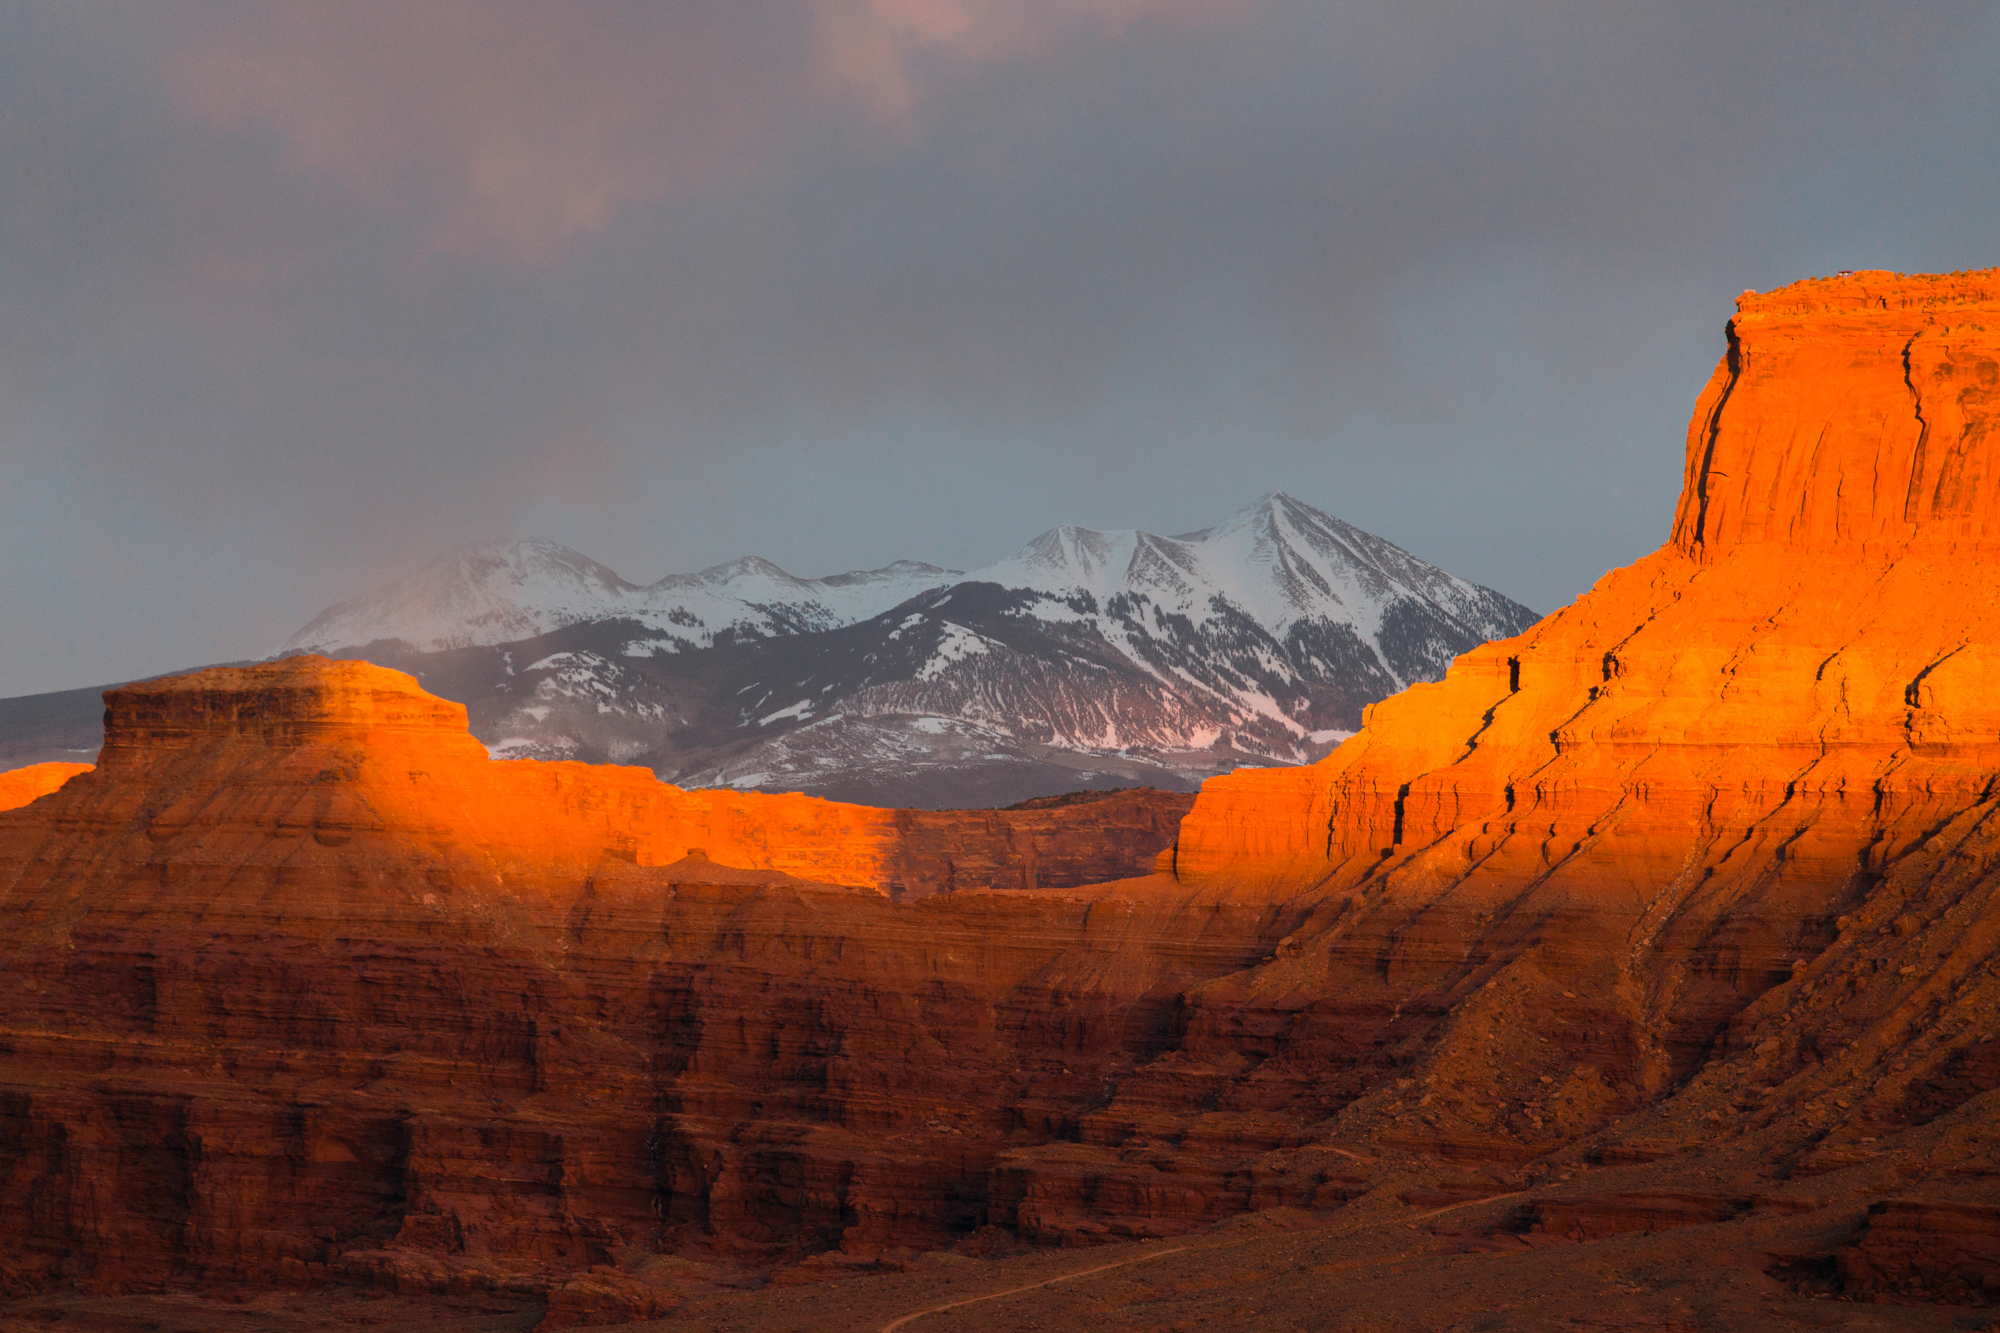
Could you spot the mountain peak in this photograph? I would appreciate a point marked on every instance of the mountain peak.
(745, 567)
(1277, 561)
(528, 556)
(896, 571)
(505, 591)
(1276, 507)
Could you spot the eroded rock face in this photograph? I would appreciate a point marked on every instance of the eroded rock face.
(1091, 842)
(1822, 617)
(304, 988)
(1920, 1250)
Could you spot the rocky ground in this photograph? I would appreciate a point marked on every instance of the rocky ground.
(1646, 1251)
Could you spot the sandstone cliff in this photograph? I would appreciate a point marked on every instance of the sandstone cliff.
(1730, 767)
(303, 988)
(21, 785)
(569, 813)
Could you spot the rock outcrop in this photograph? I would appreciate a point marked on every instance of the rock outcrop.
(1093, 840)
(1921, 1250)
(21, 785)
(564, 813)
(1821, 613)
(304, 988)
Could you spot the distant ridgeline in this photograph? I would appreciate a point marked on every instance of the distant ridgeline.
(1087, 660)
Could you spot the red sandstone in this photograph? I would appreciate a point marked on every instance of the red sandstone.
(22, 785)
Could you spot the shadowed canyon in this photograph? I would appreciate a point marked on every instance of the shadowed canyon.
(1640, 974)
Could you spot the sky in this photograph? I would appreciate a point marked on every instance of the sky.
(296, 296)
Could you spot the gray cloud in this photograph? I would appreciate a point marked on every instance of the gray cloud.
(287, 306)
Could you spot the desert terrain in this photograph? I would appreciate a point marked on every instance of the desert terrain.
(1641, 974)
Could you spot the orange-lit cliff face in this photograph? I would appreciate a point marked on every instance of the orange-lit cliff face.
(1666, 793)
(340, 750)
(21, 785)
(346, 748)
(1819, 636)
(1852, 414)
(1809, 663)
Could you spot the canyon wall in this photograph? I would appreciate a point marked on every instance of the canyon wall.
(305, 988)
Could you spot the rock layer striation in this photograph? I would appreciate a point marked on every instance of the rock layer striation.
(303, 985)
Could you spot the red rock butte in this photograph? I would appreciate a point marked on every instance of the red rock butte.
(343, 748)
(310, 990)
(1818, 635)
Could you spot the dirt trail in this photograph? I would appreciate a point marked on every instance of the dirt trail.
(901, 1320)
(1469, 1203)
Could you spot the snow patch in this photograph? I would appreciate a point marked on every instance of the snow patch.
(658, 647)
(955, 645)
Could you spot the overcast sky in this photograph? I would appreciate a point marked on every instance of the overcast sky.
(293, 297)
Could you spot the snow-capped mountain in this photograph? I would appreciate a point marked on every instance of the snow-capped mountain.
(503, 592)
(1086, 659)
(1283, 566)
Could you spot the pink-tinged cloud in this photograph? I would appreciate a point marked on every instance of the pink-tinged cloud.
(870, 46)
(515, 127)
(518, 126)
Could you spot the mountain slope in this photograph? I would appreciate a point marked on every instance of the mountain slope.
(1257, 641)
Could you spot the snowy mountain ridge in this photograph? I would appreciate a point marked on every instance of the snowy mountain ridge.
(1277, 561)
(505, 591)
(1086, 658)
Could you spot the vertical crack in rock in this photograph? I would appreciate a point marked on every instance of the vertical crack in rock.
(1702, 469)
(1912, 495)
